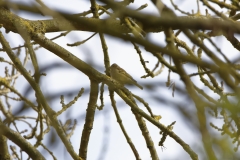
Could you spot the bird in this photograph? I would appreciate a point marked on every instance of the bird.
(120, 75)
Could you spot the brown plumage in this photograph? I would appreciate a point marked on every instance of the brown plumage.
(122, 76)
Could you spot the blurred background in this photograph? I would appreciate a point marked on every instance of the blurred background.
(107, 141)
